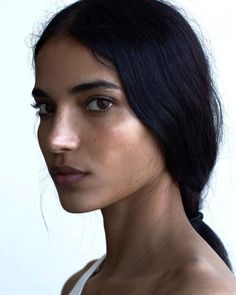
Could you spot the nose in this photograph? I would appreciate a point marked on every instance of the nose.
(64, 134)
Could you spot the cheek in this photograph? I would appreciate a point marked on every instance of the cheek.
(128, 155)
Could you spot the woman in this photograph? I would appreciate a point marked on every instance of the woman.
(130, 124)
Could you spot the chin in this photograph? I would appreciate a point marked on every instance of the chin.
(72, 208)
(76, 205)
(80, 201)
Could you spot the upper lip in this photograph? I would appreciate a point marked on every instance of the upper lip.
(66, 170)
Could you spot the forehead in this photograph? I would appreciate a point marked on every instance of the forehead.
(70, 61)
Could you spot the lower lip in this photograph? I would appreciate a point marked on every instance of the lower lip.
(68, 179)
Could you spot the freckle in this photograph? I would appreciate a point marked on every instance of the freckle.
(94, 139)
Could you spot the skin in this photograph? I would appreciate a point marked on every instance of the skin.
(151, 247)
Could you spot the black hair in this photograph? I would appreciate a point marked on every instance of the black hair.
(166, 76)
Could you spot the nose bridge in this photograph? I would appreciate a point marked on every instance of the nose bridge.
(64, 133)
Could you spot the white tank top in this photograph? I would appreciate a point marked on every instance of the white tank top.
(78, 288)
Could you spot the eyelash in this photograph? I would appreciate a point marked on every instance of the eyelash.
(37, 105)
(99, 99)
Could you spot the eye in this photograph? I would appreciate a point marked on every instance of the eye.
(99, 104)
(43, 108)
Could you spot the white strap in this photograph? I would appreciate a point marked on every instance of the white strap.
(78, 288)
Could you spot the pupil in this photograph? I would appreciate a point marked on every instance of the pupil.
(103, 104)
(49, 108)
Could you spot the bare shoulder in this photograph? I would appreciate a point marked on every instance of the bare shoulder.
(201, 278)
(70, 283)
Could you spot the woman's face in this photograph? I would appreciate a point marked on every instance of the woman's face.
(96, 149)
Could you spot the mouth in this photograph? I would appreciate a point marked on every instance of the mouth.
(65, 175)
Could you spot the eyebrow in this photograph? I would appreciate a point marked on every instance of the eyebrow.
(37, 92)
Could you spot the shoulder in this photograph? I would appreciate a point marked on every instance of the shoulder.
(70, 283)
(201, 278)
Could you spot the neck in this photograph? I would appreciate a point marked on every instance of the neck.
(139, 228)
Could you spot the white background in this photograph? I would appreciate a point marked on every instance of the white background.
(32, 259)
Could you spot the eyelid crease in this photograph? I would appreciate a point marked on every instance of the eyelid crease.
(40, 100)
(99, 96)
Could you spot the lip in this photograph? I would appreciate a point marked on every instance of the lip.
(65, 175)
